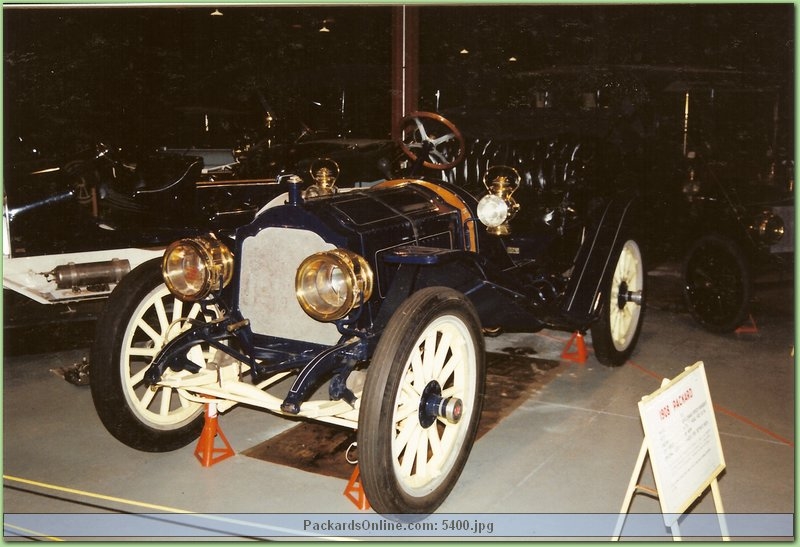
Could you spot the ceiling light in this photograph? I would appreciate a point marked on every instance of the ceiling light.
(464, 51)
(324, 28)
(216, 13)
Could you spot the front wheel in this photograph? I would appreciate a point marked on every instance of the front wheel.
(141, 317)
(422, 402)
(717, 283)
(616, 332)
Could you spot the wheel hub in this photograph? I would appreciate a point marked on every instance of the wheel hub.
(432, 405)
(624, 295)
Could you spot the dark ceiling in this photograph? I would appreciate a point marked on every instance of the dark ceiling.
(78, 74)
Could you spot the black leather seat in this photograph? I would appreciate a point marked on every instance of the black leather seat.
(553, 172)
(544, 165)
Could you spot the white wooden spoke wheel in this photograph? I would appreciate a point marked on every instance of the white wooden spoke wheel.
(615, 334)
(141, 316)
(422, 402)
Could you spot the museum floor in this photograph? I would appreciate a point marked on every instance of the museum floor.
(559, 446)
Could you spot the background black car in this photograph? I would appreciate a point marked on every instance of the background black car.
(711, 151)
(726, 205)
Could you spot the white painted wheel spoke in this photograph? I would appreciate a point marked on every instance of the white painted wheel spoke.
(410, 455)
(434, 441)
(142, 352)
(422, 454)
(195, 311)
(429, 356)
(402, 438)
(452, 391)
(441, 354)
(147, 398)
(166, 399)
(150, 332)
(455, 360)
(418, 369)
(177, 310)
(136, 379)
(405, 411)
(161, 312)
(408, 391)
(183, 402)
(617, 329)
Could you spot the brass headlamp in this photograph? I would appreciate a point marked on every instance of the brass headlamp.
(331, 284)
(498, 207)
(324, 171)
(195, 267)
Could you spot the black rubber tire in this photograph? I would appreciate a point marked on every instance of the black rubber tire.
(109, 372)
(384, 489)
(610, 347)
(717, 283)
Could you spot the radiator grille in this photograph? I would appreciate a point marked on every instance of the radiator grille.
(266, 289)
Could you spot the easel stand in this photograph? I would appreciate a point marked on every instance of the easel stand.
(634, 487)
(682, 441)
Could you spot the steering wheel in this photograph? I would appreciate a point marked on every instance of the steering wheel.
(435, 137)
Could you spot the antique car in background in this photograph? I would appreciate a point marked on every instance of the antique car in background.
(742, 232)
(73, 226)
(367, 307)
(711, 151)
(75, 221)
(736, 221)
(718, 152)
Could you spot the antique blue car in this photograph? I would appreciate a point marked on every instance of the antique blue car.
(367, 308)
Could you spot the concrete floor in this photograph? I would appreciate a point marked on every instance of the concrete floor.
(559, 462)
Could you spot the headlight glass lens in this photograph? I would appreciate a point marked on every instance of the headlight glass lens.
(192, 268)
(329, 285)
(492, 210)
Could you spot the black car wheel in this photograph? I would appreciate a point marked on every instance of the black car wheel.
(141, 316)
(616, 332)
(717, 283)
(421, 403)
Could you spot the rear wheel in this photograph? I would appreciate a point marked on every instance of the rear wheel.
(717, 283)
(616, 332)
(422, 402)
(141, 317)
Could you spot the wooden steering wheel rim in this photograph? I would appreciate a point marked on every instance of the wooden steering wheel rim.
(442, 120)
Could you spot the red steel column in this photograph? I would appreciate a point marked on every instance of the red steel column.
(405, 62)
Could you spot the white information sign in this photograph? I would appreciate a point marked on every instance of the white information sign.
(682, 440)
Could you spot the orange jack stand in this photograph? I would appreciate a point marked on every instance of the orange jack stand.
(205, 451)
(747, 329)
(578, 355)
(354, 491)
